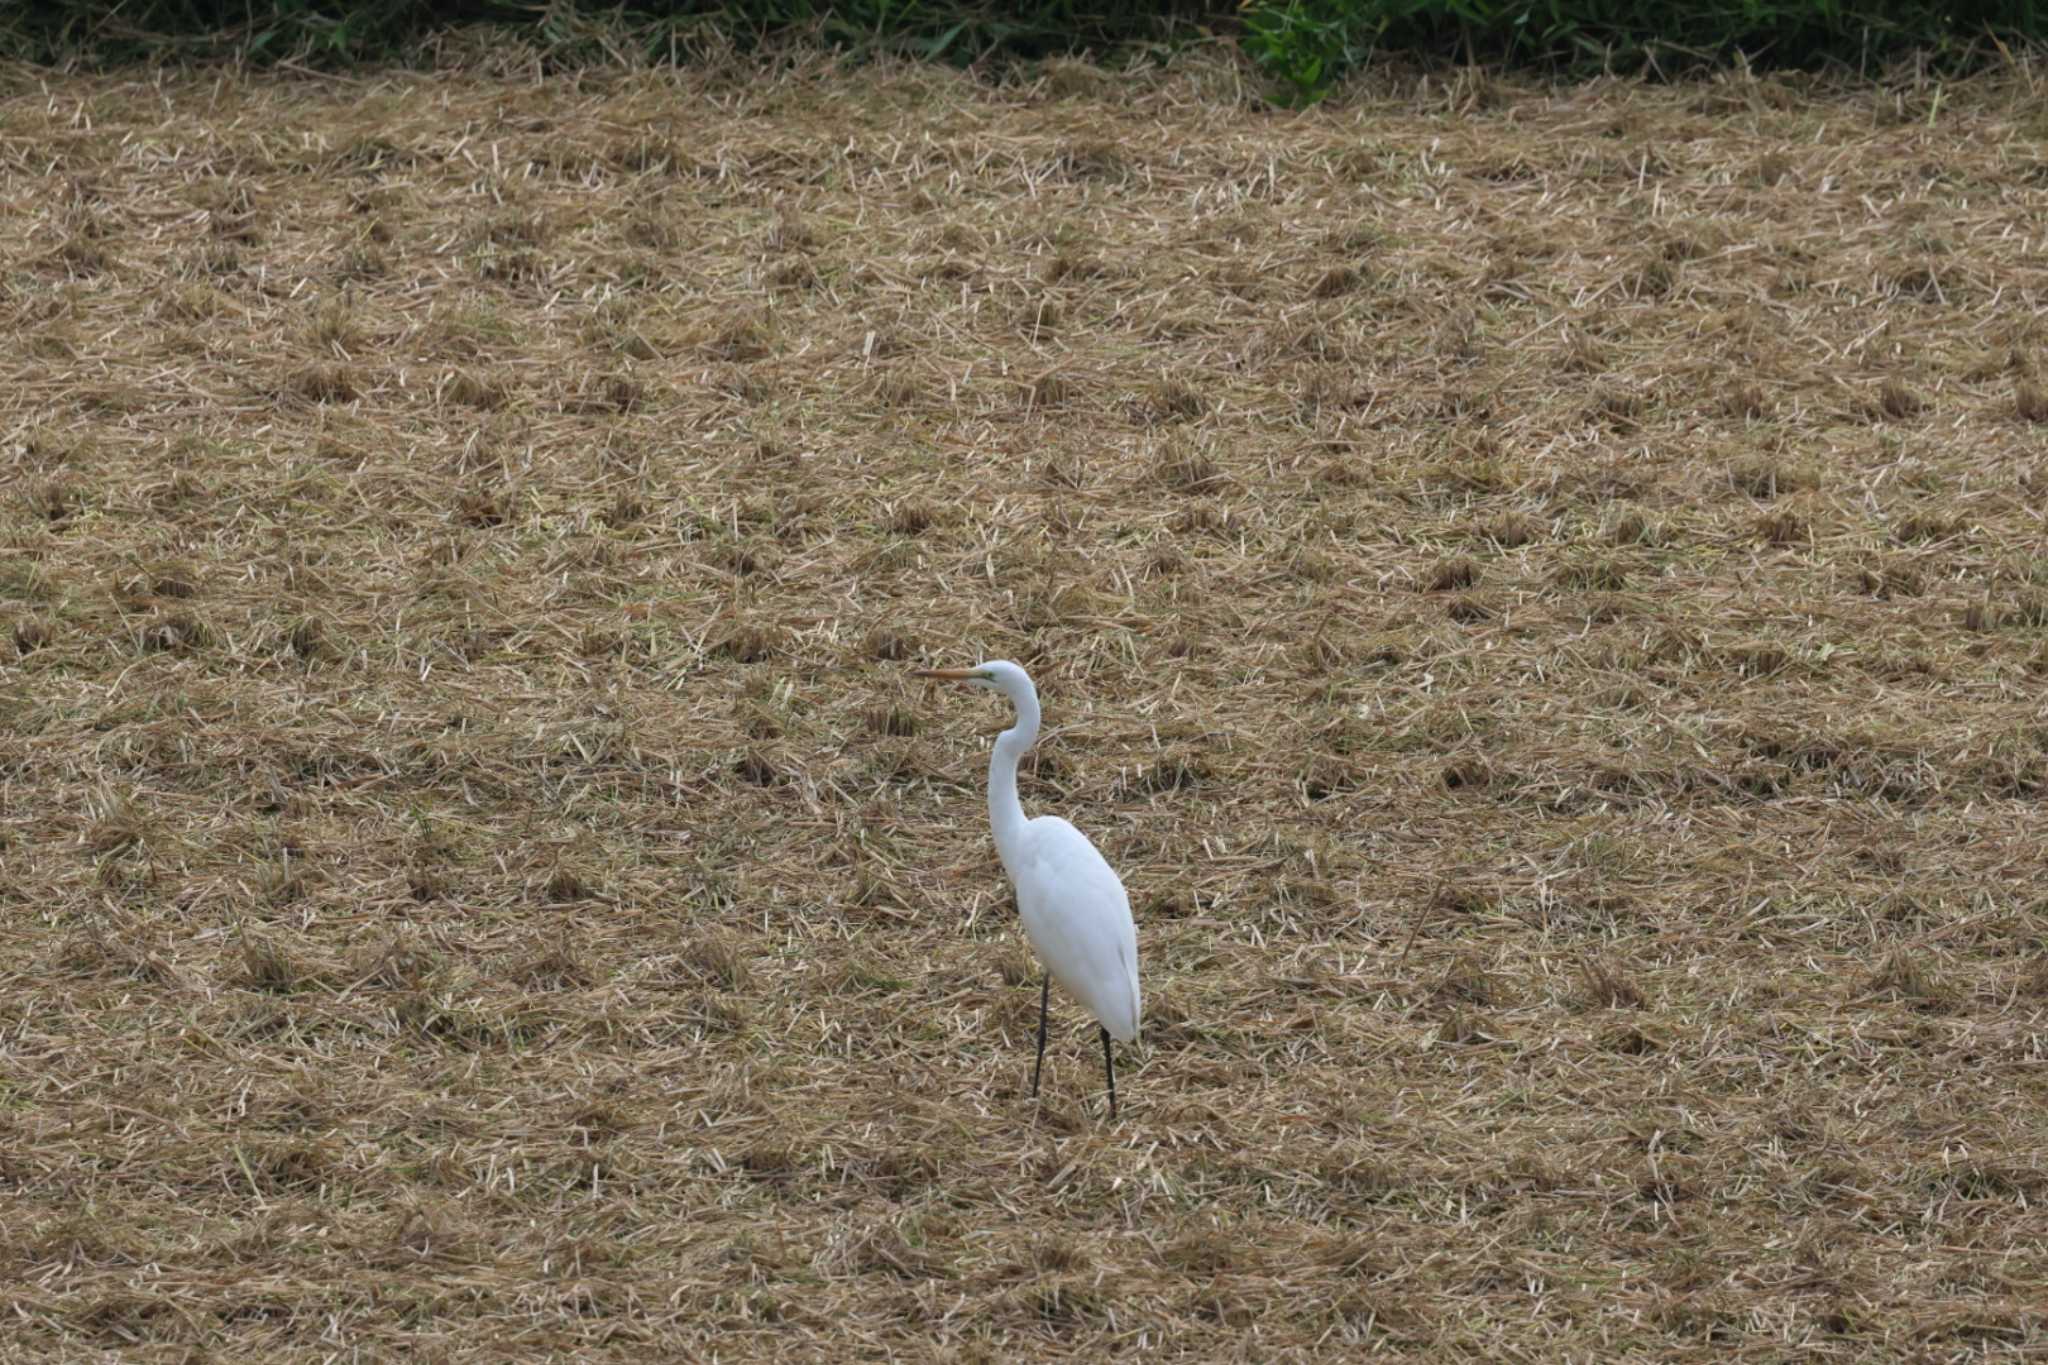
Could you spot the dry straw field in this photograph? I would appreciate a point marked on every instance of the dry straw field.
(1542, 591)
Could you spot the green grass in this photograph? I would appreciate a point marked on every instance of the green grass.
(1302, 47)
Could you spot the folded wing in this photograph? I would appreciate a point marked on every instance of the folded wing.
(1078, 919)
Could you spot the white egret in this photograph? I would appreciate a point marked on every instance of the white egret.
(1074, 909)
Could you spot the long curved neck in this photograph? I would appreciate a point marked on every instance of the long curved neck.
(1005, 811)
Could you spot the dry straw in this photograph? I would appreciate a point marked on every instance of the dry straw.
(1540, 591)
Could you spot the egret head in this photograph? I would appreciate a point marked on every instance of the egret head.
(997, 675)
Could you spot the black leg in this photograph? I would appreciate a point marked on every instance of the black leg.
(1044, 999)
(1109, 1069)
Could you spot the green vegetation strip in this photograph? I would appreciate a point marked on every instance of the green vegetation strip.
(1303, 48)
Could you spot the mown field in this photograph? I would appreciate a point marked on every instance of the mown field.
(1542, 592)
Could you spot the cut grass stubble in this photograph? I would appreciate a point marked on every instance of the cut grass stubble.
(1568, 718)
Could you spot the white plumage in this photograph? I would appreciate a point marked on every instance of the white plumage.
(1073, 906)
(1079, 922)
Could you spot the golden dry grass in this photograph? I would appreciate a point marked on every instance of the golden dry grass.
(1541, 591)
